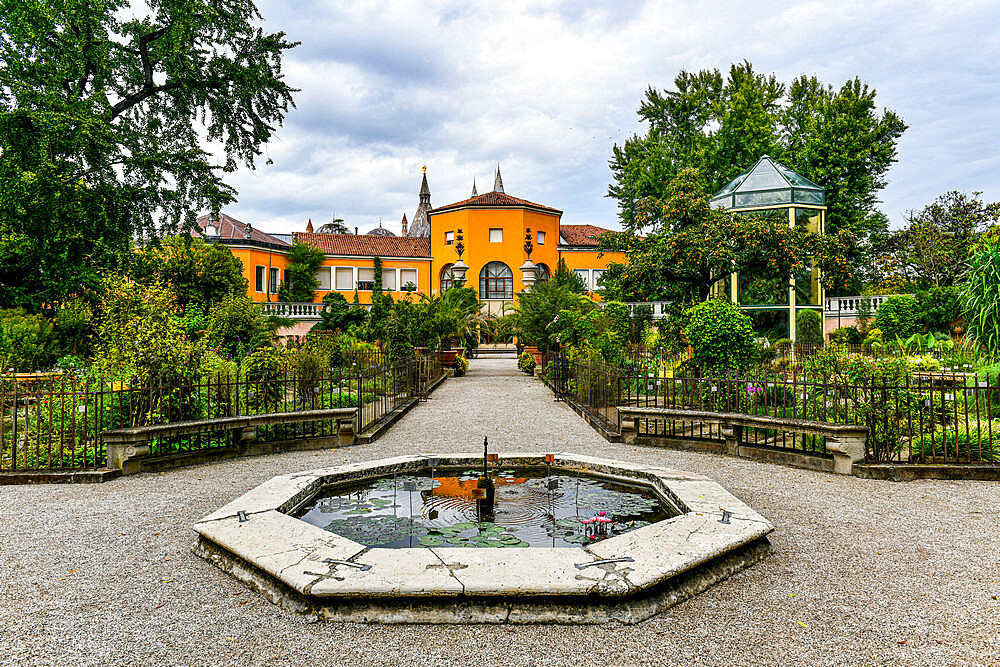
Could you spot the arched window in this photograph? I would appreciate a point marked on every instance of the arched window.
(542, 273)
(496, 281)
(446, 278)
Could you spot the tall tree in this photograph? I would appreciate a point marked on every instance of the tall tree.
(201, 274)
(934, 247)
(722, 125)
(105, 115)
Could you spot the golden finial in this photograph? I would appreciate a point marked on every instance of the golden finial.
(424, 168)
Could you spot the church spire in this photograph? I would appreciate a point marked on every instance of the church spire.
(425, 191)
(498, 183)
(474, 193)
(404, 224)
(309, 226)
(420, 228)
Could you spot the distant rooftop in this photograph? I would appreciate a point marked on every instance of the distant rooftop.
(768, 183)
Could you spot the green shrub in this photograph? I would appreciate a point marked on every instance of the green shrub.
(73, 329)
(237, 326)
(808, 327)
(939, 308)
(526, 363)
(461, 366)
(263, 369)
(25, 342)
(721, 336)
(845, 336)
(897, 317)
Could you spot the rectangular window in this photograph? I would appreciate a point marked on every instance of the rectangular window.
(595, 276)
(345, 279)
(323, 276)
(366, 279)
(496, 236)
(275, 279)
(541, 238)
(407, 276)
(585, 274)
(389, 280)
(449, 238)
(259, 278)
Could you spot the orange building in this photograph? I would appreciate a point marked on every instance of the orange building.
(492, 228)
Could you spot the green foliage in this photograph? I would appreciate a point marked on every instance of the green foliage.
(721, 125)
(604, 332)
(461, 366)
(141, 341)
(722, 337)
(939, 308)
(300, 284)
(106, 114)
(338, 315)
(897, 317)
(973, 441)
(845, 336)
(981, 293)
(538, 307)
(237, 326)
(264, 369)
(73, 328)
(201, 274)
(25, 342)
(835, 363)
(526, 362)
(808, 327)
(690, 247)
(934, 248)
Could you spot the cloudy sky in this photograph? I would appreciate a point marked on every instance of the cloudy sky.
(547, 88)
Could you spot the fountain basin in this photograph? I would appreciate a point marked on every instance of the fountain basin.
(627, 577)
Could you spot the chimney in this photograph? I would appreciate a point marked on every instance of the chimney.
(355, 231)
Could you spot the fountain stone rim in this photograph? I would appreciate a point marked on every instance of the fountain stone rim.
(319, 566)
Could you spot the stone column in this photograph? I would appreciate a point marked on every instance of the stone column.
(732, 434)
(528, 272)
(847, 450)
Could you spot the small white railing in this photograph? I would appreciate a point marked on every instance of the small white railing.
(296, 310)
(660, 309)
(847, 306)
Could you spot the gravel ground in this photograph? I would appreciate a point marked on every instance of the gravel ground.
(863, 572)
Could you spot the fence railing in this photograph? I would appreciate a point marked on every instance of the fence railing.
(54, 422)
(923, 418)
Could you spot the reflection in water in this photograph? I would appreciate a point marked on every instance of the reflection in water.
(532, 510)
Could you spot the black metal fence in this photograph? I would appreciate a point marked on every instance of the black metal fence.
(54, 422)
(922, 418)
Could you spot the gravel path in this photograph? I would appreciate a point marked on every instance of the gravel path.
(864, 572)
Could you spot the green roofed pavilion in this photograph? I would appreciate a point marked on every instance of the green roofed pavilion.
(771, 191)
(768, 183)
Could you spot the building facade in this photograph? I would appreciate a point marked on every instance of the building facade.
(492, 229)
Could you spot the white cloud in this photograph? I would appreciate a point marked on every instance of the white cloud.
(547, 89)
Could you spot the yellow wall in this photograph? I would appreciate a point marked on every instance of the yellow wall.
(254, 257)
(591, 259)
(423, 267)
(476, 223)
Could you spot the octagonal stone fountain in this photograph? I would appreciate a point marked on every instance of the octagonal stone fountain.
(461, 538)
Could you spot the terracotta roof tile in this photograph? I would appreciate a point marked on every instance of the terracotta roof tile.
(495, 199)
(581, 235)
(232, 229)
(368, 246)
